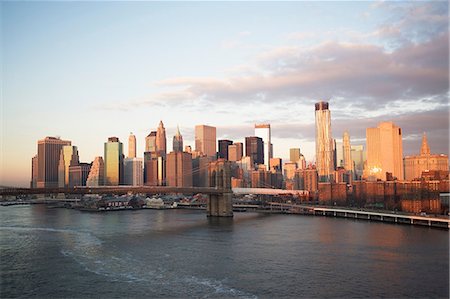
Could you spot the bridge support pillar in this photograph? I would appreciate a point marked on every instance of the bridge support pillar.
(220, 205)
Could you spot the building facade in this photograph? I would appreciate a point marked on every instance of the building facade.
(294, 154)
(78, 174)
(132, 146)
(235, 151)
(133, 174)
(96, 175)
(424, 162)
(254, 148)
(263, 131)
(150, 142)
(161, 141)
(49, 151)
(223, 148)
(113, 152)
(34, 171)
(177, 142)
(205, 140)
(324, 143)
(384, 152)
(68, 157)
(179, 169)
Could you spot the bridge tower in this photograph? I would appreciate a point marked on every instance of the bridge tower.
(219, 174)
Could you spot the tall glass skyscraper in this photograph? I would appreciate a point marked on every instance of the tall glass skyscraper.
(205, 140)
(49, 151)
(324, 143)
(113, 162)
(177, 142)
(161, 148)
(68, 157)
(263, 131)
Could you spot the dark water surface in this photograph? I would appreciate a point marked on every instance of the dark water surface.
(180, 253)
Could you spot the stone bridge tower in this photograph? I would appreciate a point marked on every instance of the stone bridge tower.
(219, 174)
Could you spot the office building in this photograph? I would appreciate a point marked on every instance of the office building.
(68, 157)
(161, 167)
(254, 148)
(150, 142)
(34, 171)
(263, 131)
(200, 170)
(223, 149)
(301, 163)
(49, 151)
(276, 165)
(78, 174)
(179, 169)
(415, 165)
(161, 148)
(205, 140)
(113, 152)
(324, 143)
(347, 153)
(338, 154)
(133, 174)
(294, 154)
(177, 142)
(235, 151)
(384, 152)
(132, 146)
(96, 175)
(289, 170)
(358, 156)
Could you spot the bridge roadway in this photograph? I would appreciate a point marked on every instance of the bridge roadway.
(384, 216)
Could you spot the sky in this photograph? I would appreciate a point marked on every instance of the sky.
(86, 71)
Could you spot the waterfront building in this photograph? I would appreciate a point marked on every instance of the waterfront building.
(358, 156)
(324, 143)
(49, 151)
(205, 140)
(415, 165)
(96, 175)
(177, 142)
(294, 154)
(254, 148)
(161, 148)
(179, 169)
(113, 152)
(263, 131)
(78, 174)
(68, 157)
(235, 151)
(34, 171)
(223, 149)
(132, 146)
(133, 172)
(150, 142)
(384, 152)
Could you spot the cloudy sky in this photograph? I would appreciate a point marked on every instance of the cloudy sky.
(87, 71)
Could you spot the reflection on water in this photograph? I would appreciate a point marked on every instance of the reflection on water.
(182, 253)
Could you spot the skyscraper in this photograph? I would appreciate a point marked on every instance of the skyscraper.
(34, 171)
(132, 146)
(96, 175)
(205, 140)
(294, 154)
(113, 162)
(78, 174)
(263, 131)
(358, 158)
(348, 162)
(161, 148)
(150, 169)
(179, 169)
(133, 172)
(68, 157)
(150, 142)
(223, 148)
(254, 148)
(324, 143)
(384, 151)
(235, 151)
(49, 151)
(177, 142)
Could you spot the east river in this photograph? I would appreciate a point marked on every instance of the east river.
(181, 253)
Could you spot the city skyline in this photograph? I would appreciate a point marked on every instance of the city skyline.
(137, 81)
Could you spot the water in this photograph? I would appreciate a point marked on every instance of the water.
(181, 253)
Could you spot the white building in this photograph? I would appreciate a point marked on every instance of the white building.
(133, 171)
(263, 131)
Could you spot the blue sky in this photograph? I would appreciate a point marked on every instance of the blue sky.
(89, 70)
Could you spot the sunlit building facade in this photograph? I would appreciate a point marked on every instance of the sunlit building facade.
(347, 153)
(132, 146)
(358, 155)
(113, 151)
(263, 131)
(78, 174)
(133, 172)
(150, 142)
(205, 140)
(49, 152)
(177, 142)
(424, 162)
(161, 141)
(179, 169)
(235, 151)
(324, 143)
(68, 157)
(384, 152)
(294, 154)
(96, 175)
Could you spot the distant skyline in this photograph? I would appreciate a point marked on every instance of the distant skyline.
(86, 71)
